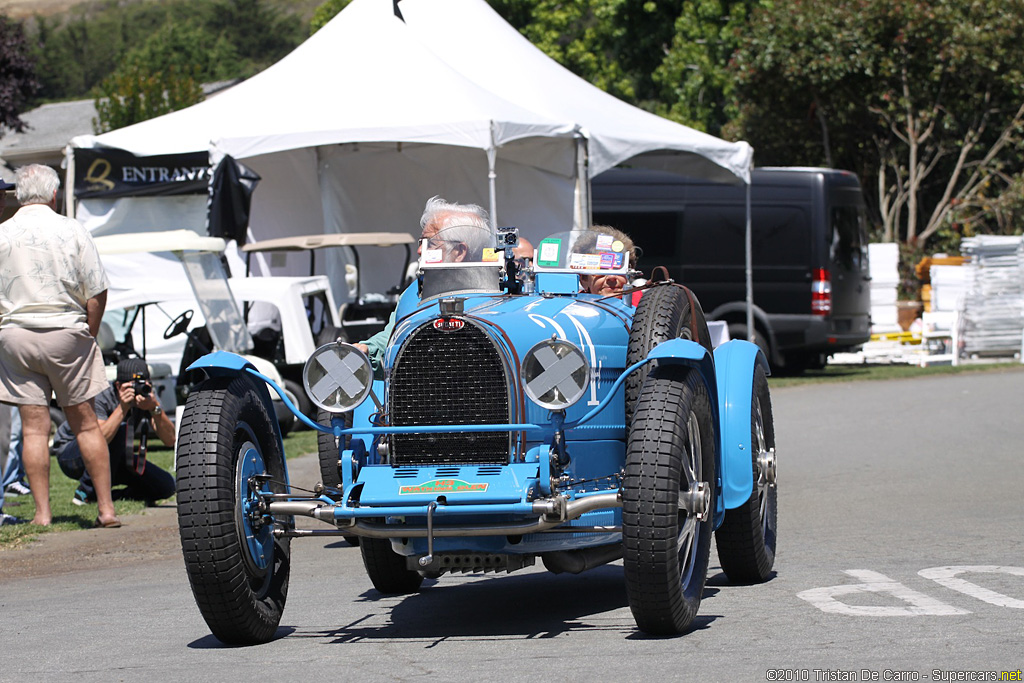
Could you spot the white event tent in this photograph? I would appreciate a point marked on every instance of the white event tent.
(374, 114)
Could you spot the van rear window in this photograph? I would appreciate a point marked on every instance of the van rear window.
(849, 237)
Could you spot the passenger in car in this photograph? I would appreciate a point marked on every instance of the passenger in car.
(605, 285)
(438, 215)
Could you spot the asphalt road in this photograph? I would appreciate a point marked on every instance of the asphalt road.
(901, 508)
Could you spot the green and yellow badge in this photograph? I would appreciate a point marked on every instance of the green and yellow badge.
(441, 486)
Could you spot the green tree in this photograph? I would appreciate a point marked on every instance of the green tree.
(325, 13)
(261, 33)
(582, 36)
(76, 53)
(17, 75)
(162, 75)
(924, 99)
(695, 84)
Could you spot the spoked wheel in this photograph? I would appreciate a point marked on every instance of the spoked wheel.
(227, 455)
(746, 539)
(386, 568)
(664, 312)
(668, 500)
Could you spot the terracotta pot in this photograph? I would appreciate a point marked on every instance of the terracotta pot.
(907, 312)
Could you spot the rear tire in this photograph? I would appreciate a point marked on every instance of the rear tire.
(297, 395)
(670, 450)
(746, 539)
(663, 313)
(237, 568)
(739, 331)
(386, 568)
(329, 448)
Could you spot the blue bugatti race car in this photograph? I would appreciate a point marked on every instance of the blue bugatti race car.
(512, 418)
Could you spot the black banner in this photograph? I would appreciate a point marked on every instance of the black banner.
(108, 172)
(230, 199)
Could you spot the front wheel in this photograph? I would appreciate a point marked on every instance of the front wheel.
(386, 568)
(746, 539)
(664, 312)
(228, 455)
(668, 500)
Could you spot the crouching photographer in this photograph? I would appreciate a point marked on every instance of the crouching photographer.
(128, 411)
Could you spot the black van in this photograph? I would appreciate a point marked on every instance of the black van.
(810, 258)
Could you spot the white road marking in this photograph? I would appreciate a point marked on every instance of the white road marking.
(946, 576)
(873, 582)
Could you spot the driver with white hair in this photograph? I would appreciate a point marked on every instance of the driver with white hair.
(461, 232)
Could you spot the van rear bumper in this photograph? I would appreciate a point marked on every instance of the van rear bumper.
(819, 334)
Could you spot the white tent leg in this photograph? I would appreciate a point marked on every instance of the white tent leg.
(69, 182)
(492, 178)
(749, 272)
(582, 216)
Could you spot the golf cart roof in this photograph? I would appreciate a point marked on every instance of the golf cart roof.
(168, 240)
(308, 242)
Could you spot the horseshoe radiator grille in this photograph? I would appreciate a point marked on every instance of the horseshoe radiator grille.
(449, 377)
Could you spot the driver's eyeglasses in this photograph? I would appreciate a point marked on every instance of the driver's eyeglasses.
(436, 242)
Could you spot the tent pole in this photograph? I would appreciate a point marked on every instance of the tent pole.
(69, 182)
(582, 216)
(749, 272)
(492, 176)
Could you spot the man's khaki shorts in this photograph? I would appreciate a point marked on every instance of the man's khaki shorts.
(34, 362)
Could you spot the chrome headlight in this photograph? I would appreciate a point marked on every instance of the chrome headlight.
(555, 374)
(337, 377)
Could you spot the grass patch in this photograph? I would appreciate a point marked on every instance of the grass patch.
(852, 373)
(69, 517)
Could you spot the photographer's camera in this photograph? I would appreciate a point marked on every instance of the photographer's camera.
(141, 386)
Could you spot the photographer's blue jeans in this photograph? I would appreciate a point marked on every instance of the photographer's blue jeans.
(13, 469)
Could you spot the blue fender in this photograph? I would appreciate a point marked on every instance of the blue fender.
(686, 352)
(734, 365)
(226, 364)
(689, 353)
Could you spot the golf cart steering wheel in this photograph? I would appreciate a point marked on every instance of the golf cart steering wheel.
(178, 325)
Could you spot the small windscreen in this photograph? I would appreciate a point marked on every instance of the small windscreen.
(583, 252)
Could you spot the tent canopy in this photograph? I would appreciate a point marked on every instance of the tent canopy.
(372, 115)
(473, 39)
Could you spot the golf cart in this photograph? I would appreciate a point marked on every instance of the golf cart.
(199, 285)
(367, 313)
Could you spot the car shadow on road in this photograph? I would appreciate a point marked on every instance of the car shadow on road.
(528, 606)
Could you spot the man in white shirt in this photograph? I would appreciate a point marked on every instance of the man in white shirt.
(53, 291)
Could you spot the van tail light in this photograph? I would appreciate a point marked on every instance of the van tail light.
(821, 292)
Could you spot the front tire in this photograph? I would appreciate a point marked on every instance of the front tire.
(664, 312)
(237, 568)
(386, 568)
(746, 539)
(668, 500)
